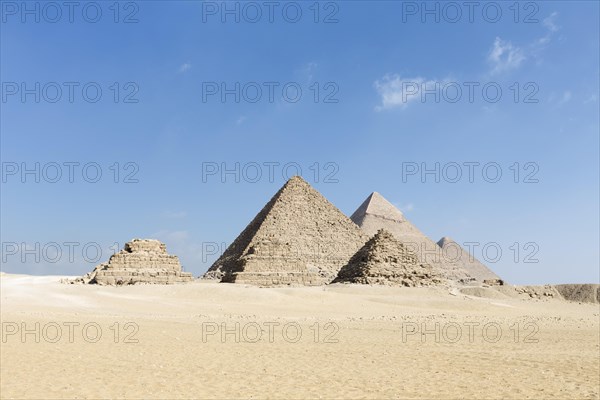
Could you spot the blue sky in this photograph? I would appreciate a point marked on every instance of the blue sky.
(369, 74)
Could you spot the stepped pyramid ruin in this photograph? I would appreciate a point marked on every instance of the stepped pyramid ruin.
(299, 237)
(384, 260)
(453, 251)
(377, 213)
(140, 261)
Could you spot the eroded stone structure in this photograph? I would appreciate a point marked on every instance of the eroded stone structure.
(384, 260)
(140, 261)
(377, 213)
(299, 237)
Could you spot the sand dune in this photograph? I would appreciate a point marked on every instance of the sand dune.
(208, 340)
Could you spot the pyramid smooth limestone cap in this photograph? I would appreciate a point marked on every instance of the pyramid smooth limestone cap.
(378, 205)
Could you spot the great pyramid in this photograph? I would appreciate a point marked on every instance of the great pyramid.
(377, 213)
(385, 260)
(297, 238)
(452, 251)
(140, 261)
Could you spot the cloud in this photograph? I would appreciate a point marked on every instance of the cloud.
(185, 67)
(560, 99)
(550, 22)
(405, 207)
(307, 71)
(551, 28)
(240, 120)
(504, 56)
(566, 97)
(398, 92)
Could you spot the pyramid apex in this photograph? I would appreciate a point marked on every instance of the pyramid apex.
(376, 196)
(275, 247)
(377, 205)
(296, 183)
(383, 235)
(296, 179)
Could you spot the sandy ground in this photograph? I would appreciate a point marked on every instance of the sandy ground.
(208, 340)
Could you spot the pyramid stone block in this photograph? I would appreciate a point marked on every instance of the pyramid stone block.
(299, 237)
(384, 260)
(377, 213)
(140, 261)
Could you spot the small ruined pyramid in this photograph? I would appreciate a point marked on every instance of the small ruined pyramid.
(140, 261)
(454, 252)
(297, 238)
(384, 260)
(377, 213)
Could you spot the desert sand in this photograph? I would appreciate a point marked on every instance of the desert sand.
(165, 341)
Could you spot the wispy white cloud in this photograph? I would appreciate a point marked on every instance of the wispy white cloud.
(560, 99)
(185, 67)
(405, 207)
(240, 120)
(396, 91)
(592, 99)
(307, 71)
(550, 22)
(504, 56)
(566, 97)
(551, 28)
